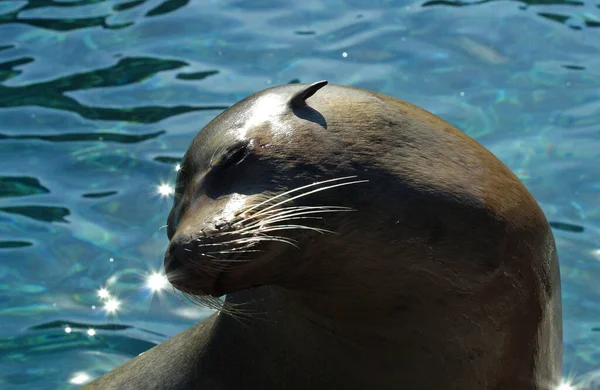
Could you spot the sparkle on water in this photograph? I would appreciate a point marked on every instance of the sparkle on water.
(165, 190)
(103, 293)
(91, 332)
(68, 329)
(156, 281)
(567, 384)
(79, 378)
(112, 305)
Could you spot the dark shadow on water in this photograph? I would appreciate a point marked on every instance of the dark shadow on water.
(8, 71)
(567, 227)
(128, 5)
(39, 213)
(14, 244)
(50, 94)
(68, 24)
(60, 324)
(58, 24)
(168, 160)
(87, 137)
(574, 67)
(461, 3)
(585, 19)
(77, 325)
(167, 7)
(307, 32)
(99, 194)
(197, 75)
(20, 186)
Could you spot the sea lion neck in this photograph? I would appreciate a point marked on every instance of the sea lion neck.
(338, 354)
(291, 340)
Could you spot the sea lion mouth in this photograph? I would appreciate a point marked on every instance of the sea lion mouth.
(191, 266)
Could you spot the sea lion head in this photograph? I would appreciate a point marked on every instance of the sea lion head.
(341, 193)
(250, 201)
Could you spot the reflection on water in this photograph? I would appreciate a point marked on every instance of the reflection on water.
(99, 100)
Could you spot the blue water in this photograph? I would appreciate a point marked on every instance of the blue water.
(99, 100)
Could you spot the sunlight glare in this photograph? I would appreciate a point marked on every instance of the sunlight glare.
(91, 332)
(79, 378)
(103, 293)
(156, 281)
(112, 305)
(266, 109)
(165, 190)
(565, 386)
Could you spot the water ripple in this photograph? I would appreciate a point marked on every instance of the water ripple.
(87, 137)
(126, 71)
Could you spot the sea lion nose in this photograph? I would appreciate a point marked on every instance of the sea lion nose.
(178, 252)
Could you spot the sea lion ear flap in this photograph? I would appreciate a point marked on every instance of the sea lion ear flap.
(299, 98)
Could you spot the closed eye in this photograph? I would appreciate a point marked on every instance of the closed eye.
(232, 157)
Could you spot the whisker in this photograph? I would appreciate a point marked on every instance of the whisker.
(278, 239)
(238, 251)
(224, 243)
(296, 190)
(284, 216)
(295, 208)
(285, 211)
(291, 227)
(247, 240)
(218, 243)
(309, 193)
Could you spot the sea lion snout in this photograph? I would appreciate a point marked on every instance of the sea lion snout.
(177, 253)
(191, 254)
(203, 253)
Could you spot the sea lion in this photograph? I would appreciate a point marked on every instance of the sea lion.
(363, 243)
